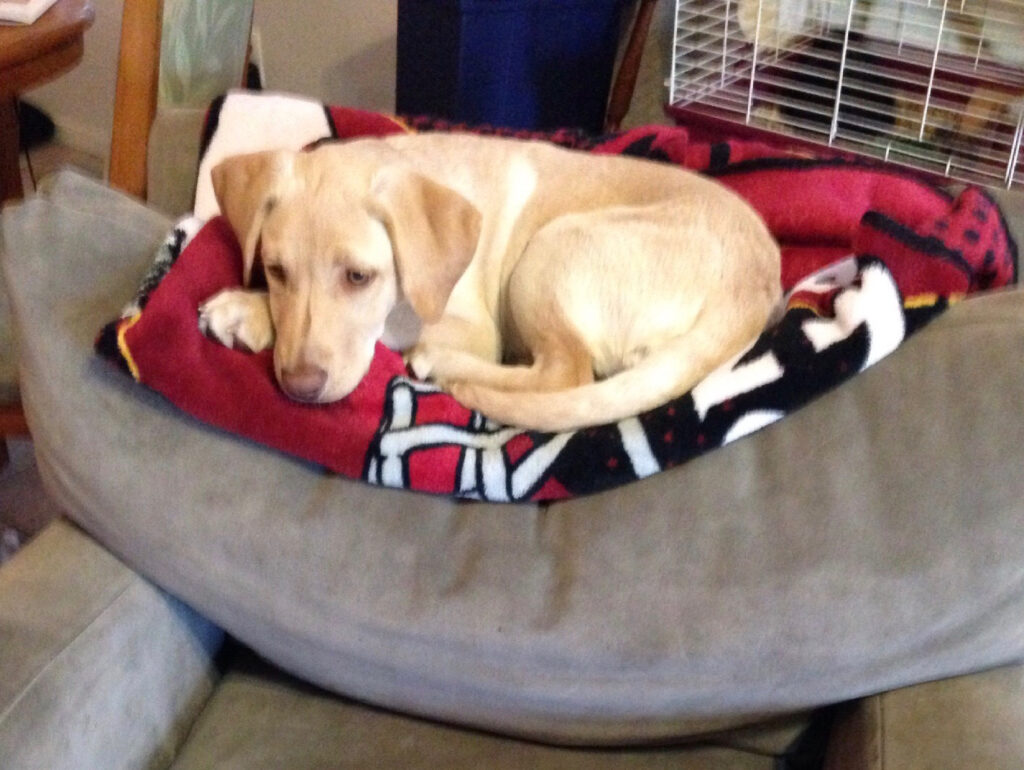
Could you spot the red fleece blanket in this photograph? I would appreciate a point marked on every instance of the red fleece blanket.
(869, 255)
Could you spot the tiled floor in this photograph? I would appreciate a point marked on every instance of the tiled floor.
(24, 505)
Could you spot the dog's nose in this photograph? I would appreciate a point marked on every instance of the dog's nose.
(304, 382)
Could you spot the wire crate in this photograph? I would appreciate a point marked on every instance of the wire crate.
(937, 85)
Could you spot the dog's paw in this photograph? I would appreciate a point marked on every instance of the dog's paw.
(420, 363)
(238, 319)
(442, 365)
(435, 365)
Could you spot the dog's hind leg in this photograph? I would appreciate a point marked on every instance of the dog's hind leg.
(444, 346)
(557, 357)
(553, 368)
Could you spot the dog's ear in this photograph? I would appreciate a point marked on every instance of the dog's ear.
(247, 187)
(434, 232)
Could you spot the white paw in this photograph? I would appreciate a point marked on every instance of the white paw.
(436, 365)
(238, 319)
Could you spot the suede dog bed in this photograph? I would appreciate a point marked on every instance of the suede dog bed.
(869, 540)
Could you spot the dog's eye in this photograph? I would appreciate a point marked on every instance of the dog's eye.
(276, 273)
(357, 277)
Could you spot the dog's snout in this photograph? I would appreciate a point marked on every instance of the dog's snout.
(305, 382)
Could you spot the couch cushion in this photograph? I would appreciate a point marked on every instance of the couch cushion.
(967, 721)
(869, 541)
(84, 641)
(258, 718)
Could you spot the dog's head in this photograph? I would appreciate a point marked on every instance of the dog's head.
(342, 233)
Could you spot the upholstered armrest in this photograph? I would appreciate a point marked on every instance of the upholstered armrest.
(98, 668)
(74, 212)
(965, 721)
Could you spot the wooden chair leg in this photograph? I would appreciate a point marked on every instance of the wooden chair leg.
(10, 168)
(12, 423)
(629, 67)
(136, 94)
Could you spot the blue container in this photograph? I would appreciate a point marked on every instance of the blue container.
(536, 64)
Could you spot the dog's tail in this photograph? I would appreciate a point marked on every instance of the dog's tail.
(665, 374)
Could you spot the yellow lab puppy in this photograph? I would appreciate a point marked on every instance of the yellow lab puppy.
(547, 288)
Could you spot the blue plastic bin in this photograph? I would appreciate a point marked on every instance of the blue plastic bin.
(536, 64)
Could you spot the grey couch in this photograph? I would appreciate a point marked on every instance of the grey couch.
(101, 669)
(823, 591)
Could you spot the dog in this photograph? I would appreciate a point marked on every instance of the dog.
(549, 289)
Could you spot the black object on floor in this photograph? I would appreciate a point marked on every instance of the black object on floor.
(35, 126)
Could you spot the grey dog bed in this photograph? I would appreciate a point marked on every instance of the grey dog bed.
(869, 541)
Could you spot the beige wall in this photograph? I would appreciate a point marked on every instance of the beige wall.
(82, 101)
(342, 51)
